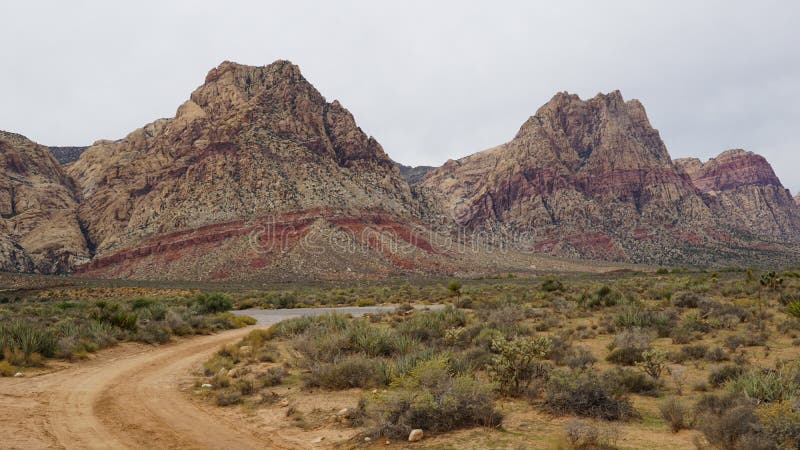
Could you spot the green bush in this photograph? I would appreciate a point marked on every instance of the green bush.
(27, 338)
(552, 285)
(212, 303)
(623, 380)
(769, 385)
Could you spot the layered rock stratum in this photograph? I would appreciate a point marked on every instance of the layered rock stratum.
(258, 176)
(254, 148)
(593, 179)
(744, 194)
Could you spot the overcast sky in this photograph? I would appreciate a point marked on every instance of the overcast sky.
(430, 82)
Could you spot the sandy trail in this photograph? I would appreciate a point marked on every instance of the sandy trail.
(127, 397)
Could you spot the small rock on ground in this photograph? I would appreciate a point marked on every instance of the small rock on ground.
(415, 435)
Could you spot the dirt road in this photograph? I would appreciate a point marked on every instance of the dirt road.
(127, 397)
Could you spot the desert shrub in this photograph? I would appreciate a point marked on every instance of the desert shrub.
(626, 356)
(318, 346)
(246, 386)
(583, 435)
(427, 326)
(682, 335)
(673, 411)
(781, 422)
(517, 362)
(552, 285)
(430, 398)
(280, 300)
(505, 317)
(602, 297)
(629, 381)
(6, 369)
(692, 352)
(470, 360)
(228, 396)
(793, 309)
(769, 385)
(348, 372)
(560, 348)
(628, 346)
(716, 354)
(375, 341)
(486, 336)
(735, 341)
(694, 322)
(714, 309)
(580, 358)
(142, 302)
(686, 299)
(123, 319)
(585, 395)
(153, 333)
(729, 422)
(212, 303)
(635, 316)
(272, 377)
(27, 338)
(722, 374)
(324, 323)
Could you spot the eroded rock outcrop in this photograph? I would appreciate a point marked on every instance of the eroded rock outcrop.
(252, 144)
(592, 178)
(745, 195)
(39, 229)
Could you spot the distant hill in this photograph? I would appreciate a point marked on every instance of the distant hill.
(65, 155)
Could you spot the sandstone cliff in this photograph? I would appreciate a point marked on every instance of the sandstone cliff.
(252, 145)
(745, 195)
(39, 228)
(592, 178)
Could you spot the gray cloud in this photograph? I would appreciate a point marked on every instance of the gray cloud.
(430, 80)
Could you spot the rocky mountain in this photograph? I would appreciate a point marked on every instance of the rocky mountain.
(592, 178)
(797, 199)
(259, 176)
(744, 194)
(66, 155)
(39, 228)
(251, 167)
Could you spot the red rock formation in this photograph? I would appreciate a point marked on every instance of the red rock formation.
(593, 179)
(745, 195)
(250, 143)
